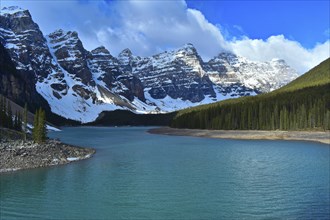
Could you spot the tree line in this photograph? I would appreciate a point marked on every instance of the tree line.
(19, 121)
(303, 109)
(7, 118)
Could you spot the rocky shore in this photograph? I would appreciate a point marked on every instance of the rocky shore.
(17, 154)
(316, 136)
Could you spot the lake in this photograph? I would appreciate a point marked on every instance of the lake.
(136, 175)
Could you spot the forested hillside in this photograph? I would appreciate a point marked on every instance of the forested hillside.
(124, 118)
(303, 104)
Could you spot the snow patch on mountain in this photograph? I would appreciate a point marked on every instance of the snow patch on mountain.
(72, 106)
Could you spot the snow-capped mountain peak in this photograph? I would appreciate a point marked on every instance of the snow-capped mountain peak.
(101, 50)
(80, 84)
(189, 47)
(126, 52)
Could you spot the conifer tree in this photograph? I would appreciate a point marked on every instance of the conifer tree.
(10, 116)
(39, 129)
(42, 126)
(1, 112)
(19, 121)
(35, 132)
(25, 121)
(15, 124)
(5, 116)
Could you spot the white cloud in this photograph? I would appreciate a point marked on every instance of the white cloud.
(292, 52)
(149, 27)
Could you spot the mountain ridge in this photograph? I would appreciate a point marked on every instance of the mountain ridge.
(80, 84)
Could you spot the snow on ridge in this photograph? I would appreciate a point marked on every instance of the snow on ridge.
(14, 10)
(11, 10)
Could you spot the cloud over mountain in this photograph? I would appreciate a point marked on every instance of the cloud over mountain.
(296, 55)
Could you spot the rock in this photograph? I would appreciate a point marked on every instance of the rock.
(178, 74)
(71, 55)
(50, 153)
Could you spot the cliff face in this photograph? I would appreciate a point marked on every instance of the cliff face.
(23, 51)
(17, 86)
(176, 74)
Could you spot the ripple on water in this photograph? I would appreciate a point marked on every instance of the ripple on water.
(138, 175)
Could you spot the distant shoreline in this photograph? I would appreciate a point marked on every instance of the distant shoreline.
(315, 136)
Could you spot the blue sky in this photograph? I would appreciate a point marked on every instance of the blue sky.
(304, 21)
(296, 31)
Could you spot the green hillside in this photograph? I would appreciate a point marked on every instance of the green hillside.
(319, 75)
(303, 104)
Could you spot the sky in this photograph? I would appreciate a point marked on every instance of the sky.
(296, 31)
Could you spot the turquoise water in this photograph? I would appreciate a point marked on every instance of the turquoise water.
(136, 175)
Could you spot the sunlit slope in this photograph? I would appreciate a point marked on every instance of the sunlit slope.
(319, 75)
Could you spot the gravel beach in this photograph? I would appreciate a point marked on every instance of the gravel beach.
(316, 136)
(17, 154)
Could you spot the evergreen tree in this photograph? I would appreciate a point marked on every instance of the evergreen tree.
(25, 121)
(10, 116)
(296, 110)
(39, 129)
(15, 124)
(35, 132)
(5, 116)
(2, 113)
(19, 121)
(42, 126)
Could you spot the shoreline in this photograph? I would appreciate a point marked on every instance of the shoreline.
(314, 136)
(19, 155)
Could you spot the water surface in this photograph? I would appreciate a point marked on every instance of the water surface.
(136, 175)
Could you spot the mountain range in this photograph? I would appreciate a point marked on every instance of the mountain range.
(79, 84)
(302, 104)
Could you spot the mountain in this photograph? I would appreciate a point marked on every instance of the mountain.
(80, 84)
(17, 78)
(227, 68)
(302, 104)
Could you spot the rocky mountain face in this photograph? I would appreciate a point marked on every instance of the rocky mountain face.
(177, 74)
(227, 68)
(19, 86)
(79, 84)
